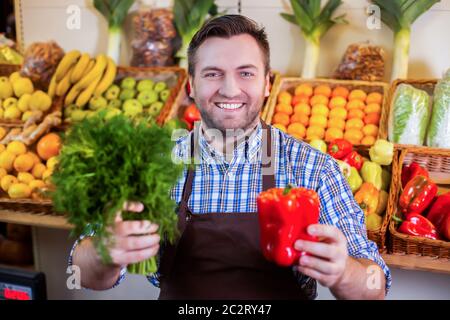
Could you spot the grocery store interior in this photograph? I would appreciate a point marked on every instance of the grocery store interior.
(388, 92)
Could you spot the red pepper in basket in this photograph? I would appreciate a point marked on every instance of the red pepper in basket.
(409, 172)
(354, 159)
(284, 216)
(417, 225)
(439, 215)
(339, 148)
(417, 195)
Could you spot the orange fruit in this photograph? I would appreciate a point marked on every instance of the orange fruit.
(323, 89)
(372, 118)
(50, 145)
(38, 170)
(297, 129)
(25, 177)
(278, 118)
(320, 110)
(302, 108)
(333, 133)
(314, 132)
(370, 130)
(24, 163)
(284, 108)
(338, 112)
(355, 104)
(285, 97)
(318, 99)
(319, 121)
(338, 123)
(300, 118)
(304, 89)
(354, 123)
(7, 181)
(299, 99)
(355, 113)
(340, 92)
(368, 141)
(17, 147)
(353, 135)
(35, 157)
(374, 97)
(7, 160)
(36, 184)
(372, 107)
(357, 94)
(337, 102)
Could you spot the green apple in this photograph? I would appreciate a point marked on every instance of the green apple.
(132, 108)
(160, 86)
(9, 102)
(127, 94)
(6, 89)
(78, 115)
(128, 83)
(147, 97)
(114, 103)
(155, 108)
(97, 103)
(113, 92)
(164, 95)
(69, 110)
(112, 112)
(144, 85)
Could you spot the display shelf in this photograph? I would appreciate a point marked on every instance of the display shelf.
(419, 263)
(35, 219)
(27, 267)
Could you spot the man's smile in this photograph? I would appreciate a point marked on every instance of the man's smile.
(229, 106)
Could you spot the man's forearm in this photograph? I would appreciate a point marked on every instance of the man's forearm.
(94, 274)
(356, 284)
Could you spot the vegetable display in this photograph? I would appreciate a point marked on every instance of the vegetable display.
(439, 215)
(105, 163)
(284, 216)
(313, 22)
(417, 225)
(417, 195)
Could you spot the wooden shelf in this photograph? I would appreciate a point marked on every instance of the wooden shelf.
(420, 263)
(35, 219)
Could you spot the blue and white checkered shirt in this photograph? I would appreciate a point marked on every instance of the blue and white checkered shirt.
(221, 186)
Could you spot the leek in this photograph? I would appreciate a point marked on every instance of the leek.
(399, 15)
(189, 17)
(115, 12)
(313, 23)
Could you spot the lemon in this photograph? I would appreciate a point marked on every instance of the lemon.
(25, 177)
(22, 86)
(46, 176)
(19, 190)
(51, 163)
(12, 113)
(7, 160)
(7, 181)
(14, 76)
(40, 101)
(38, 170)
(24, 102)
(16, 147)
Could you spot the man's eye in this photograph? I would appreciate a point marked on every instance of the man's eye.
(246, 74)
(212, 75)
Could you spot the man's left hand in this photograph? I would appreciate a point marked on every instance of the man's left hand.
(327, 259)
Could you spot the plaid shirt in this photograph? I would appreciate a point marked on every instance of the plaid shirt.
(221, 186)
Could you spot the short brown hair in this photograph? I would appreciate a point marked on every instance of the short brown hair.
(227, 26)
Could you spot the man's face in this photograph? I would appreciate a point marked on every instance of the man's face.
(229, 85)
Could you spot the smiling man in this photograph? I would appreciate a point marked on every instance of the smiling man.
(218, 254)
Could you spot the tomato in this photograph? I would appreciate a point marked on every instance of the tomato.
(191, 114)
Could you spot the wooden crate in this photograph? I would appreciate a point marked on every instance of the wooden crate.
(289, 84)
(438, 165)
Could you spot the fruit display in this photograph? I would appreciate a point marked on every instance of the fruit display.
(19, 99)
(25, 170)
(329, 112)
(9, 55)
(368, 175)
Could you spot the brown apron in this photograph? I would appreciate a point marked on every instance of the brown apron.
(218, 255)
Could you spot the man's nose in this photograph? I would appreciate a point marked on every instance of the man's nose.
(229, 88)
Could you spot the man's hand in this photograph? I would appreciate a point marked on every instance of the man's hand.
(133, 241)
(327, 259)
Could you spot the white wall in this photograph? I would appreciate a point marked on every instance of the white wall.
(430, 55)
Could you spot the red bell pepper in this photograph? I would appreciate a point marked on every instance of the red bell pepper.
(339, 148)
(284, 216)
(417, 225)
(409, 172)
(439, 215)
(417, 195)
(354, 159)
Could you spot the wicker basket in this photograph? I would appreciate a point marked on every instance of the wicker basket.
(5, 71)
(423, 84)
(27, 205)
(379, 236)
(438, 165)
(174, 77)
(289, 84)
(275, 78)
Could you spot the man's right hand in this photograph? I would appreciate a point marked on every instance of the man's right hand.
(133, 241)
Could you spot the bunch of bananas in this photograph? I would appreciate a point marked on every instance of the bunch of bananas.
(78, 77)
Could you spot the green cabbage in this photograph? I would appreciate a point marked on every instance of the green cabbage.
(409, 115)
(439, 129)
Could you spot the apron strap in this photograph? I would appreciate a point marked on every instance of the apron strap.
(268, 174)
